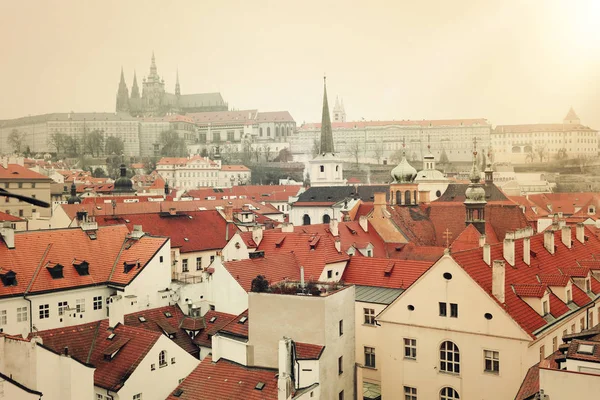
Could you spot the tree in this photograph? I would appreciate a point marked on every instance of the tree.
(256, 152)
(204, 152)
(99, 173)
(259, 284)
(93, 143)
(378, 151)
(172, 145)
(285, 155)
(530, 157)
(267, 152)
(114, 145)
(582, 161)
(561, 154)
(316, 148)
(540, 150)
(444, 157)
(355, 149)
(58, 141)
(72, 146)
(150, 165)
(246, 152)
(15, 140)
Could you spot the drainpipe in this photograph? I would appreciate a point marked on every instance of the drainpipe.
(30, 313)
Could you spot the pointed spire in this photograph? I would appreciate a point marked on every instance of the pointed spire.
(337, 103)
(122, 94)
(122, 76)
(177, 87)
(326, 133)
(135, 91)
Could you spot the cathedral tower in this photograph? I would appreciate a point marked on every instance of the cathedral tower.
(177, 87)
(122, 95)
(153, 91)
(135, 90)
(339, 114)
(326, 167)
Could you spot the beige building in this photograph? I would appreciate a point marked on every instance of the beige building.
(19, 180)
(544, 142)
(189, 172)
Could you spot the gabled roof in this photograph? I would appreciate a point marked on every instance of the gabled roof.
(266, 193)
(224, 380)
(213, 321)
(158, 320)
(185, 161)
(456, 193)
(237, 327)
(10, 218)
(383, 272)
(307, 351)
(89, 343)
(274, 267)
(334, 194)
(105, 254)
(16, 172)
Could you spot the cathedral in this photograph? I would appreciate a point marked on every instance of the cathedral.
(156, 101)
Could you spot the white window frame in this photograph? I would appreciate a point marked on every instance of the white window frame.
(80, 305)
(22, 314)
(44, 311)
(449, 352)
(62, 307)
(370, 360)
(97, 302)
(410, 344)
(410, 393)
(493, 358)
(3, 318)
(369, 314)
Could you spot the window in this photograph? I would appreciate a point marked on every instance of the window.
(370, 357)
(369, 316)
(554, 344)
(410, 348)
(341, 327)
(198, 263)
(22, 314)
(582, 324)
(329, 274)
(545, 307)
(160, 258)
(3, 318)
(20, 213)
(340, 365)
(212, 258)
(184, 265)
(410, 393)
(162, 358)
(44, 311)
(449, 358)
(152, 367)
(62, 307)
(453, 310)
(448, 393)
(443, 311)
(569, 298)
(322, 168)
(80, 305)
(97, 302)
(542, 352)
(341, 395)
(137, 396)
(492, 361)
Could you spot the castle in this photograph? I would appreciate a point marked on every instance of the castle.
(155, 101)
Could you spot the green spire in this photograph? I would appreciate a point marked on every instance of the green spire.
(326, 134)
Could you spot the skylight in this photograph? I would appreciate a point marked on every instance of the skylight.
(585, 349)
(259, 386)
(243, 320)
(111, 336)
(168, 314)
(212, 320)
(142, 318)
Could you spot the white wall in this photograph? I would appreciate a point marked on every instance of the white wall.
(230, 349)
(366, 335)
(567, 385)
(9, 391)
(337, 270)
(225, 292)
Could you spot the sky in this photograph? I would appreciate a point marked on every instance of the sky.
(510, 61)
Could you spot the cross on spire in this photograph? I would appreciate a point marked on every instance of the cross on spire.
(447, 235)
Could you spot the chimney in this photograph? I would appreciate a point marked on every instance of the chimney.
(549, 241)
(481, 240)
(509, 248)
(66, 351)
(580, 232)
(116, 310)
(257, 234)
(137, 232)
(364, 223)
(334, 227)
(424, 196)
(338, 245)
(487, 254)
(172, 211)
(379, 199)
(8, 235)
(302, 277)
(527, 250)
(284, 381)
(287, 227)
(229, 212)
(498, 280)
(89, 224)
(565, 235)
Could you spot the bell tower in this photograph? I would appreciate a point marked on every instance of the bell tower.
(475, 196)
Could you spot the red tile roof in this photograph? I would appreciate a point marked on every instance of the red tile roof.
(384, 272)
(106, 201)
(573, 353)
(410, 251)
(203, 338)
(554, 279)
(237, 326)
(307, 351)
(230, 167)
(7, 217)
(274, 267)
(157, 320)
(530, 290)
(422, 123)
(16, 172)
(36, 250)
(88, 343)
(226, 380)
(267, 193)
(182, 228)
(542, 263)
(566, 203)
(184, 160)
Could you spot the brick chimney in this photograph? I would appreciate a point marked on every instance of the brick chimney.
(287, 227)
(487, 253)
(580, 232)
(509, 248)
(565, 235)
(338, 244)
(364, 223)
(334, 227)
(549, 241)
(379, 199)
(424, 197)
(228, 212)
(527, 250)
(498, 280)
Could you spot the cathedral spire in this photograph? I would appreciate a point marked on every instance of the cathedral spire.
(177, 87)
(122, 94)
(153, 65)
(135, 90)
(326, 133)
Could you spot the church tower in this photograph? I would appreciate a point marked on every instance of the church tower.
(135, 90)
(326, 167)
(153, 91)
(122, 95)
(177, 88)
(571, 118)
(339, 114)
(475, 196)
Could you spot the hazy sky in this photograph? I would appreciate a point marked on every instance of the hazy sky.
(521, 61)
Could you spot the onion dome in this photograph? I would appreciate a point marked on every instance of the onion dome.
(475, 193)
(73, 199)
(123, 184)
(404, 172)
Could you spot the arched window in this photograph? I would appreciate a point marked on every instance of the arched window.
(407, 197)
(337, 168)
(306, 220)
(326, 219)
(398, 197)
(268, 131)
(415, 197)
(276, 131)
(260, 132)
(448, 393)
(449, 359)
(162, 358)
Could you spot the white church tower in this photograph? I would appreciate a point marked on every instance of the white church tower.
(326, 167)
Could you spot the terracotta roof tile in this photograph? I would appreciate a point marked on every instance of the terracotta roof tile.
(554, 279)
(383, 272)
(237, 326)
(267, 193)
(530, 290)
(274, 267)
(18, 172)
(307, 351)
(214, 321)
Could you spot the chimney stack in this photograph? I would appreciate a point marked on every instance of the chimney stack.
(565, 235)
(287, 227)
(509, 248)
(302, 277)
(527, 250)
(116, 311)
(379, 199)
(549, 241)
(481, 240)
(284, 381)
(487, 254)
(8, 234)
(334, 227)
(498, 280)
(364, 223)
(338, 245)
(580, 232)
(229, 212)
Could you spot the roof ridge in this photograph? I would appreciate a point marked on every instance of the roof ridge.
(117, 258)
(37, 270)
(93, 342)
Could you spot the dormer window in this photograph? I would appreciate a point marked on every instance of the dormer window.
(56, 271)
(545, 307)
(9, 278)
(82, 267)
(588, 285)
(129, 265)
(591, 210)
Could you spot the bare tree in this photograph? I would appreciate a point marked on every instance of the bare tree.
(541, 151)
(58, 141)
(561, 154)
(378, 151)
(256, 152)
(582, 161)
(15, 140)
(355, 149)
(267, 152)
(316, 148)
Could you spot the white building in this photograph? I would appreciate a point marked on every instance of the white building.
(430, 179)
(189, 172)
